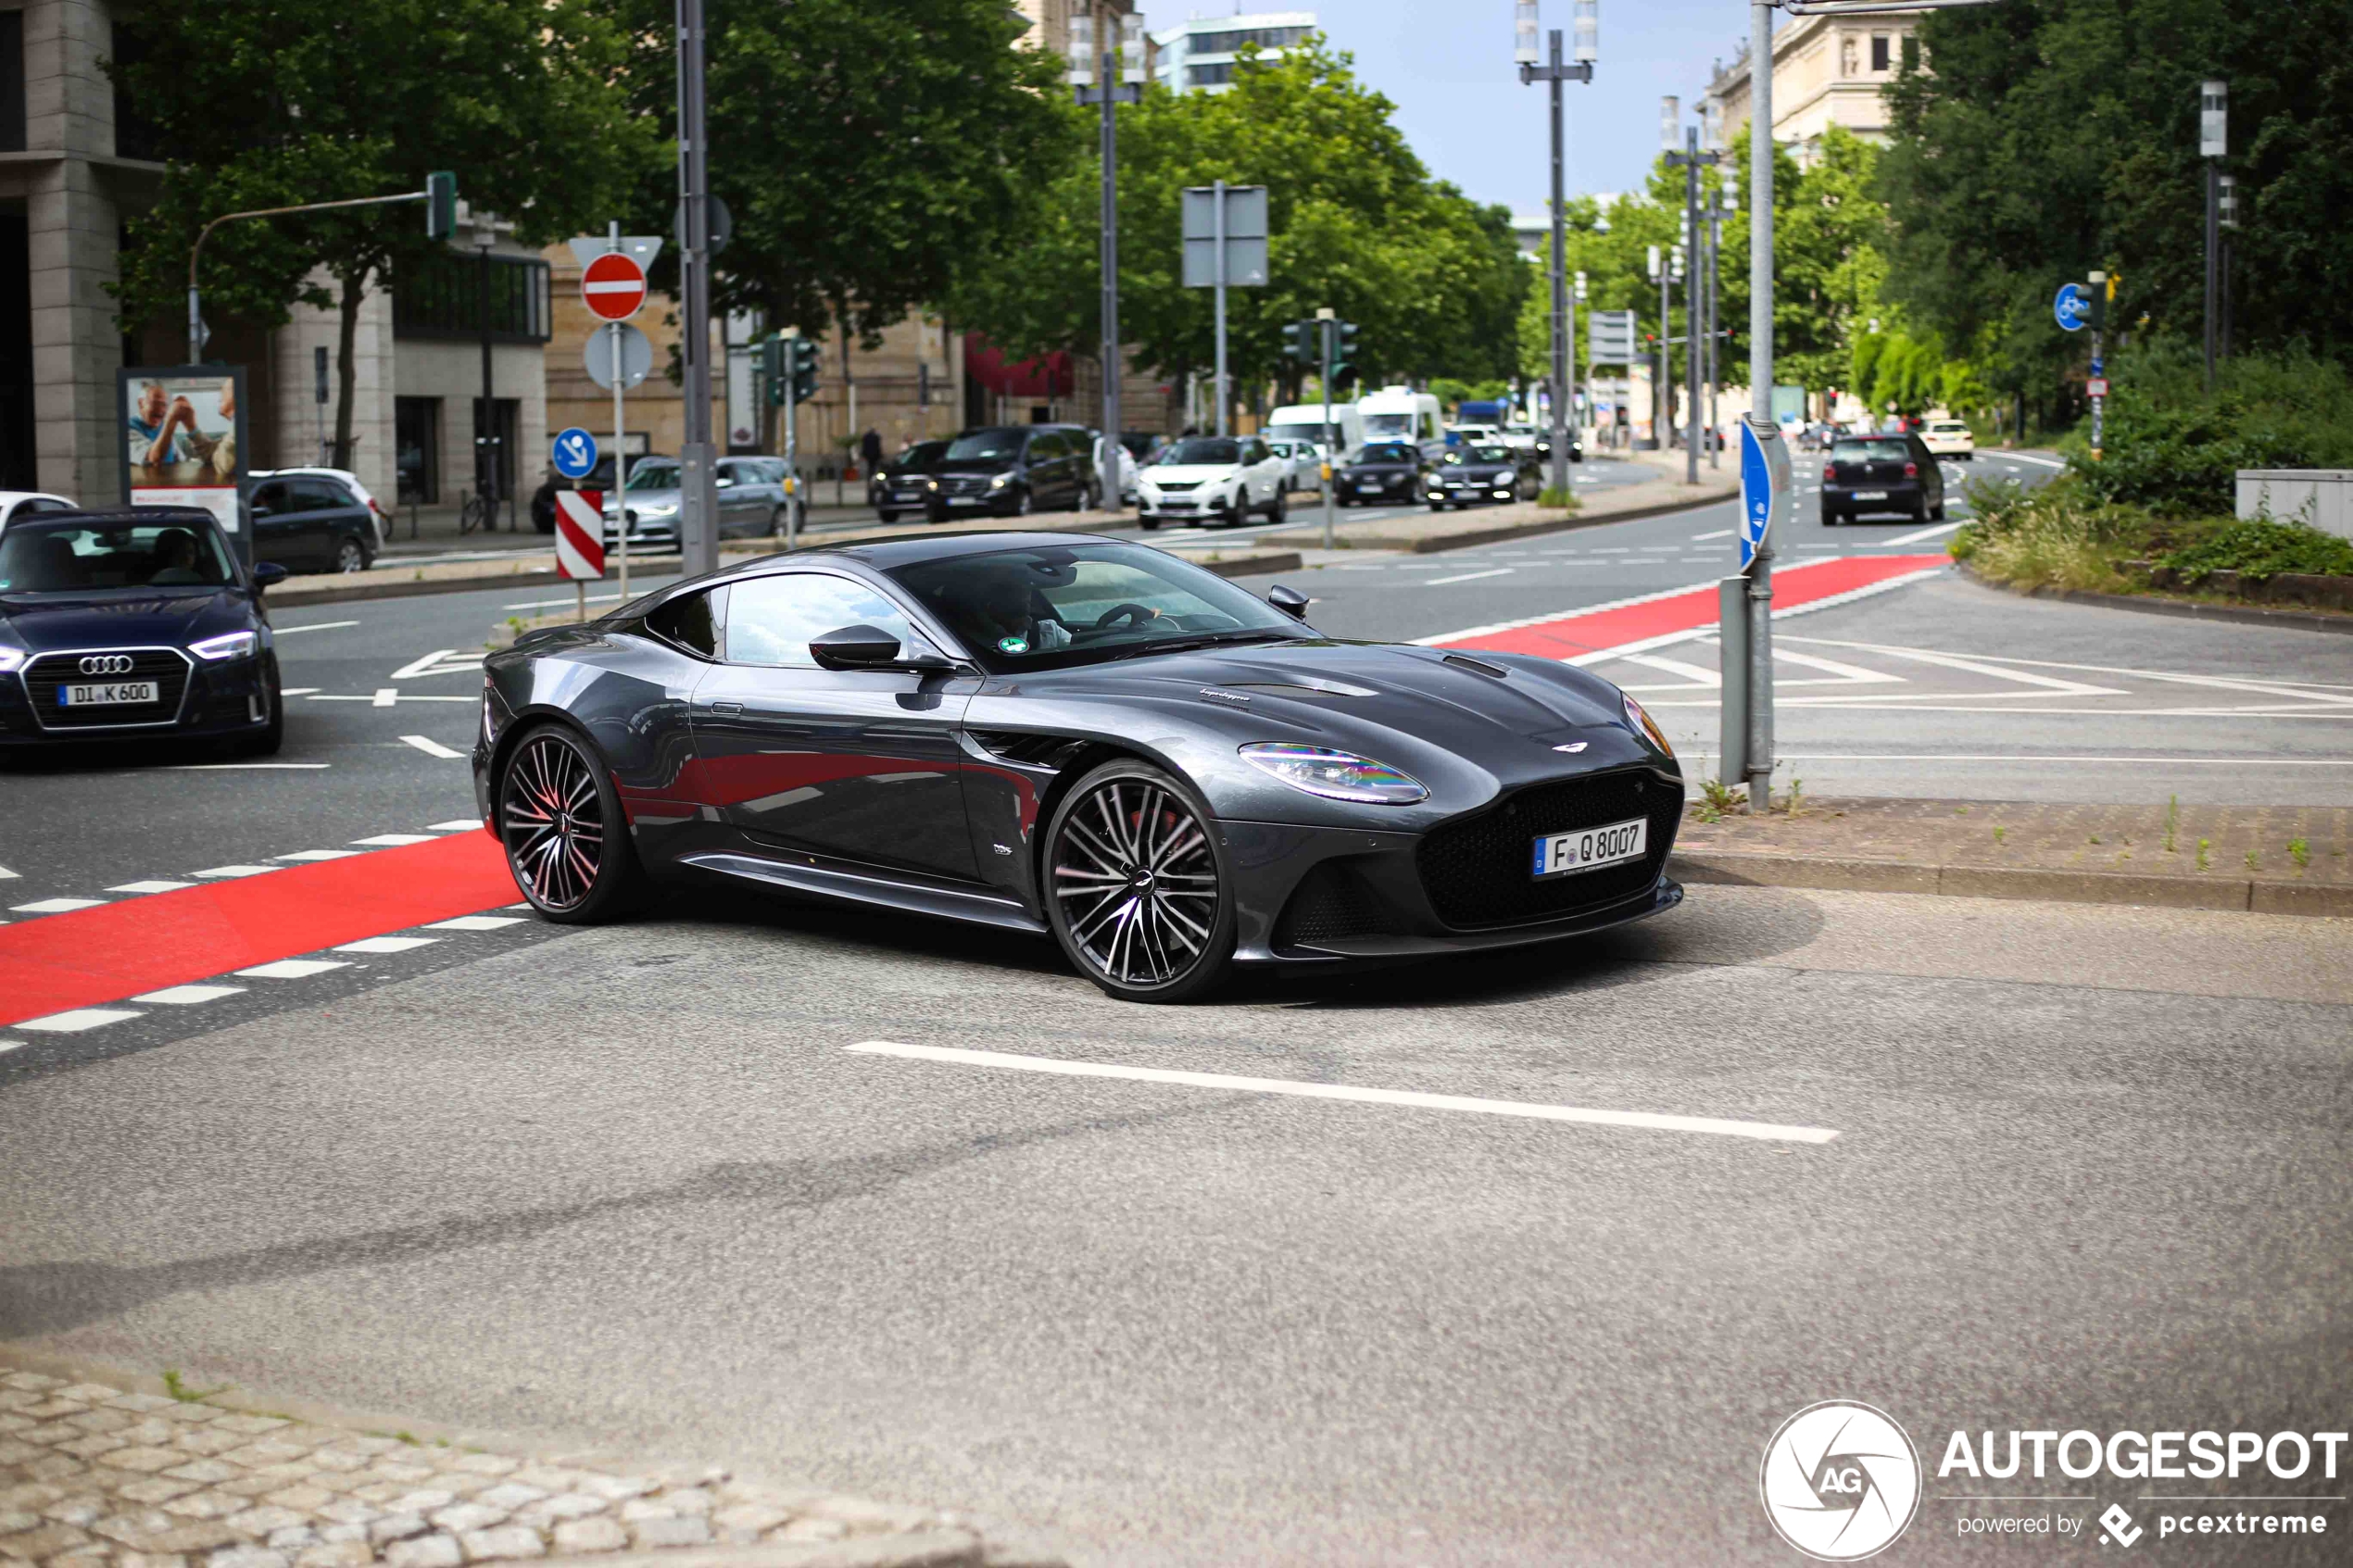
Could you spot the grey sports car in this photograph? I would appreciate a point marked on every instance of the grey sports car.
(1076, 736)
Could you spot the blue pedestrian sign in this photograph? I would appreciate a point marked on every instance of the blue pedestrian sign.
(2073, 307)
(575, 453)
(1767, 484)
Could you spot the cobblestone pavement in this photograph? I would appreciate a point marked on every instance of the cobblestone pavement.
(93, 1475)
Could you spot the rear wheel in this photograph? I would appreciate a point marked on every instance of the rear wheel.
(1136, 889)
(567, 840)
(1936, 514)
(351, 555)
(1830, 518)
(1279, 509)
(1148, 523)
(880, 513)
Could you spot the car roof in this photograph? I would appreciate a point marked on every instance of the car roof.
(141, 515)
(883, 555)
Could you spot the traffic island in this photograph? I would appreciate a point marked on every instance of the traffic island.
(100, 1469)
(1428, 532)
(2286, 860)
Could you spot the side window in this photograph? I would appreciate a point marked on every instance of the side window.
(315, 495)
(728, 477)
(690, 622)
(270, 496)
(772, 620)
(1045, 447)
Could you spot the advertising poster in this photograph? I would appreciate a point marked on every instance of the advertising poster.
(183, 441)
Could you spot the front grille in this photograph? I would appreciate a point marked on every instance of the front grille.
(1474, 869)
(1331, 904)
(167, 668)
(963, 487)
(1167, 488)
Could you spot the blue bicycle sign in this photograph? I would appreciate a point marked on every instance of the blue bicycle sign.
(2073, 307)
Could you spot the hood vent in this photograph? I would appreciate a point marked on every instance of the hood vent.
(1462, 663)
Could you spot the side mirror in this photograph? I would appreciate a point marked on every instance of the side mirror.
(1290, 601)
(267, 574)
(855, 647)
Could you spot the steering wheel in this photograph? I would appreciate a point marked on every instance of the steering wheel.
(1135, 613)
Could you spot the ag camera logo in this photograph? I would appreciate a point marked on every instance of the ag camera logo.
(1839, 1481)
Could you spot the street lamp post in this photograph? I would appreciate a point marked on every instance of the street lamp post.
(1084, 60)
(1691, 158)
(2227, 220)
(698, 459)
(2213, 143)
(1555, 72)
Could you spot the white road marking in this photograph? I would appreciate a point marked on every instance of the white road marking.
(2029, 457)
(319, 855)
(552, 604)
(393, 840)
(456, 824)
(1769, 1131)
(386, 943)
(475, 922)
(297, 691)
(415, 667)
(293, 969)
(1699, 677)
(234, 871)
(1938, 532)
(1720, 534)
(386, 696)
(55, 906)
(152, 885)
(2308, 691)
(314, 626)
(7, 1046)
(6, 875)
(431, 747)
(1848, 674)
(189, 995)
(443, 661)
(2016, 757)
(77, 1020)
(1468, 576)
(250, 767)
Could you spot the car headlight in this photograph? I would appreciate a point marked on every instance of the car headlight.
(229, 644)
(931, 485)
(1335, 775)
(1001, 482)
(1639, 717)
(11, 660)
(670, 510)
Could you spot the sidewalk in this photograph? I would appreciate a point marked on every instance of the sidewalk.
(109, 1471)
(2195, 856)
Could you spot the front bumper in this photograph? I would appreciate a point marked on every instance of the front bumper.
(216, 700)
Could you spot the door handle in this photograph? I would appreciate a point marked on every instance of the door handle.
(726, 708)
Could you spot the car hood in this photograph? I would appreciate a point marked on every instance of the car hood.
(168, 617)
(1379, 467)
(1472, 471)
(1190, 473)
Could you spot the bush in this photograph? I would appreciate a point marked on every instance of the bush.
(2261, 547)
(2172, 450)
(2062, 536)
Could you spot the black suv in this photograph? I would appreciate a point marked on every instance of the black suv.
(903, 484)
(1011, 470)
(1895, 472)
(311, 522)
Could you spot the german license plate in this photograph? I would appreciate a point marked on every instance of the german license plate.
(107, 694)
(1870, 494)
(1564, 854)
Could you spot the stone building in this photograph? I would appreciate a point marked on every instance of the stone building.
(1827, 70)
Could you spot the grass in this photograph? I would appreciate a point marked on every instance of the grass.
(1557, 499)
(178, 1388)
(2204, 845)
(2300, 852)
(1717, 800)
(2000, 833)
(2173, 820)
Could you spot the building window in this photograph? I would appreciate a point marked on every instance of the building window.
(1879, 51)
(443, 298)
(416, 439)
(1209, 76)
(1233, 38)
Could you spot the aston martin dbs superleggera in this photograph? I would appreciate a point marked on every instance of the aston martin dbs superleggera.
(1074, 736)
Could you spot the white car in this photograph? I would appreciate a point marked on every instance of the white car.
(351, 482)
(1219, 479)
(1303, 464)
(1949, 438)
(25, 503)
(1464, 435)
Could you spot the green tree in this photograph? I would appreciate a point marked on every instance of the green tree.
(308, 100)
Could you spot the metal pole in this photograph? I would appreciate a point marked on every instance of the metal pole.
(619, 431)
(1219, 221)
(1663, 388)
(1693, 291)
(1560, 278)
(792, 458)
(2213, 257)
(697, 460)
(486, 412)
(1328, 333)
(1112, 497)
(1759, 750)
(1714, 350)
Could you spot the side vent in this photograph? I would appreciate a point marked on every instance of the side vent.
(1029, 750)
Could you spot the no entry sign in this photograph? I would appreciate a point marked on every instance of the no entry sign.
(580, 534)
(614, 286)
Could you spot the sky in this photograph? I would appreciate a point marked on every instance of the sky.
(1447, 65)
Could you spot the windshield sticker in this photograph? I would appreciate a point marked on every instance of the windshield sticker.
(1012, 644)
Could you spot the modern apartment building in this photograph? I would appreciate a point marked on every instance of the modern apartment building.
(1199, 55)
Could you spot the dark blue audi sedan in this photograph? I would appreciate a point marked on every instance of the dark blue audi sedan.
(135, 624)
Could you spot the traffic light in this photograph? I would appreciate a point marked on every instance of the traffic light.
(1344, 375)
(441, 205)
(2098, 296)
(801, 352)
(771, 371)
(1298, 341)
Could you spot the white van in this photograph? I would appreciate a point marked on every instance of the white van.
(1399, 413)
(1305, 421)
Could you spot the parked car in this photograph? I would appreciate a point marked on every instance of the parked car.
(30, 503)
(1478, 473)
(1303, 464)
(1950, 438)
(1218, 479)
(133, 624)
(1881, 474)
(903, 486)
(350, 481)
(1377, 471)
(310, 521)
(1011, 470)
(752, 498)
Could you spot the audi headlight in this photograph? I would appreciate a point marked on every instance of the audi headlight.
(229, 644)
(1335, 775)
(1639, 717)
(669, 510)
(11, 660)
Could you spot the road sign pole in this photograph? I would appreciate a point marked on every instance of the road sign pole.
(620, 431)
(1218, 288)
(1758, 760)
(698, 459)
(792, 455)
(1328, 332)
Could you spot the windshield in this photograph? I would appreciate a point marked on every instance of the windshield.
(1483, 452)
(1202, 450)
(999, 446)
(1389, 425)
(1048, 606)
(1870, 451)
(1397, 452)
(81, 556)
(1300, 433)
(652, 474)
(918, 457)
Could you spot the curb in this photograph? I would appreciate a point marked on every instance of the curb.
(2247, 895)
(2187, 609)
(1260, 565)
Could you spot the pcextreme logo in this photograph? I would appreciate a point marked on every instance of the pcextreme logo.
(1839, 1481)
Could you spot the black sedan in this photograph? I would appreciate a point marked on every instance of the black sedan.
(1477, 473)
(1067, 735)
(134, 625)
(1378, 472)
(1895, 472)
(904, 484)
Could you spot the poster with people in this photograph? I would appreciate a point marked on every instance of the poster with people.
(182, 441)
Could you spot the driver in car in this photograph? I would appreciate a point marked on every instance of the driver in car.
(175, 559)
(1009, 609)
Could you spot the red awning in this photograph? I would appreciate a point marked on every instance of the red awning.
(1046, 375)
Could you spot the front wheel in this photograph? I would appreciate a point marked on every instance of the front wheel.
(351, 555)
(1279, 509)
(567, 840)
(1148, 523)
(885, 516)
(1136, 889)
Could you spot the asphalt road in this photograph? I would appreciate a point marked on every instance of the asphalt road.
(632, 1186)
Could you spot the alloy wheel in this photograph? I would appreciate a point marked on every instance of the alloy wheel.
(1137, 882)
(352, 556)
(553, 821)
